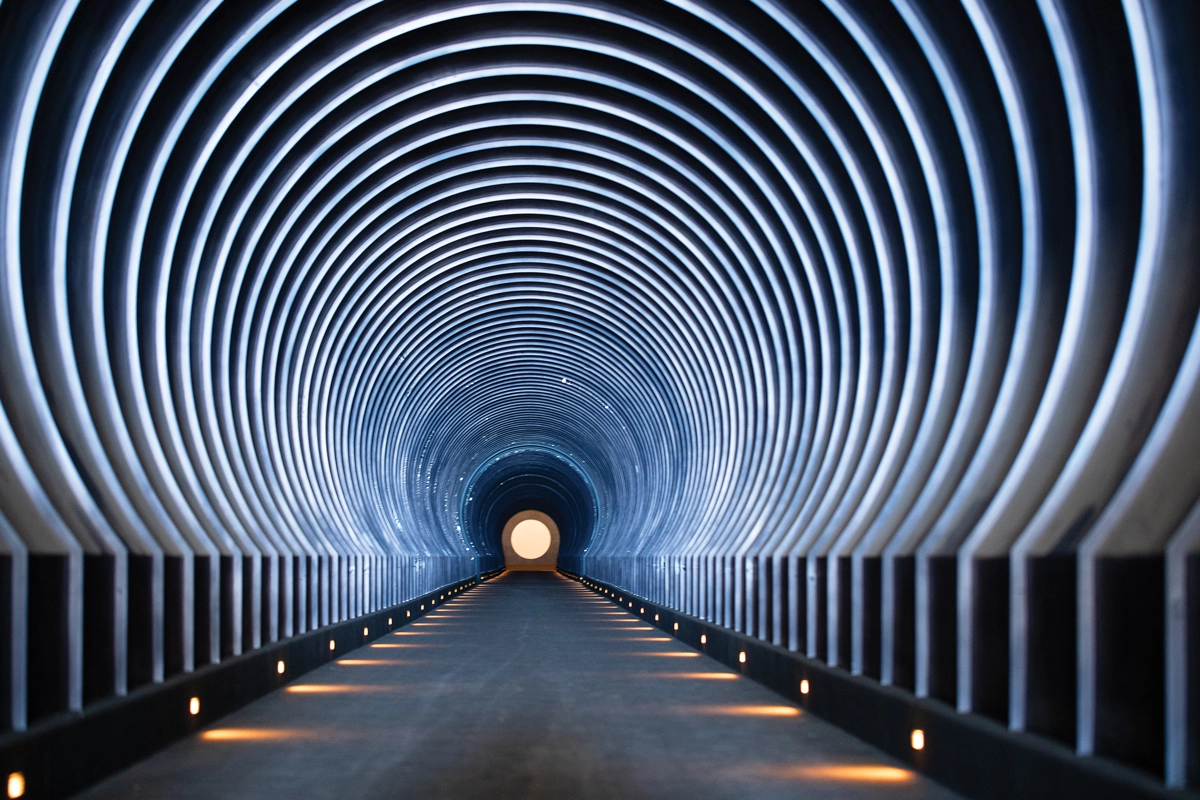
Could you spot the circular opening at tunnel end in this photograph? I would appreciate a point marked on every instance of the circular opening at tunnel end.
(531, 538)
(530, 541)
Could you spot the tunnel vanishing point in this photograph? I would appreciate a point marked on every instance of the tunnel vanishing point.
(859, 338)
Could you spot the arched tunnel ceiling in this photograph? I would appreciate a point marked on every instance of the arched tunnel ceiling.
(786, 280)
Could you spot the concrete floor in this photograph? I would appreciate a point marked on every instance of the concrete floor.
(528, 686)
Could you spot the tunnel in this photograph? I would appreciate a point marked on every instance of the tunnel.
(848, 351)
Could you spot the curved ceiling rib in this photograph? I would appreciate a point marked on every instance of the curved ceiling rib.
(809, 319)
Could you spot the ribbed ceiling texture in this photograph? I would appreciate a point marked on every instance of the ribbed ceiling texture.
(826, 321)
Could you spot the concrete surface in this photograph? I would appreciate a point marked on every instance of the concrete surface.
(528, 686)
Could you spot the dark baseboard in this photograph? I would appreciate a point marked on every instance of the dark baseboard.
(968, 753)
(67, 753)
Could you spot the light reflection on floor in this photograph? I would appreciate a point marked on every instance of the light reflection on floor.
(672, 654)
(834, 773)
(693, 676)
(741, 710)
(258, 734)
(340, 688)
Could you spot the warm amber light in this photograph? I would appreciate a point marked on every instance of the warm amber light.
(256, 734)
(670, 655)
(656, 617)
(918, 739)
(676, 626)
(422, 606)
(366, 632)
(865, 773)
(280, 667)
(389, 620)
(194, 706)
(747, 711)
(698, 676)
(16, 784)
(847, 773)
(408, 613)
(703, 639)
(332, 644)
(804, 686)
(643, 611)
(742, 657)
(337, 688)
(365, 662)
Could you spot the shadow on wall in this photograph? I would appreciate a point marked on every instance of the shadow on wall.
(530, 542)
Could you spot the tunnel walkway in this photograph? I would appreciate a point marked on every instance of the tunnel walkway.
(528, 686)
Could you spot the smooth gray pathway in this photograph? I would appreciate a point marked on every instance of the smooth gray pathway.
(528, 686)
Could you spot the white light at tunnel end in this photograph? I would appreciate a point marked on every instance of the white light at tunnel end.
(531, 539)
